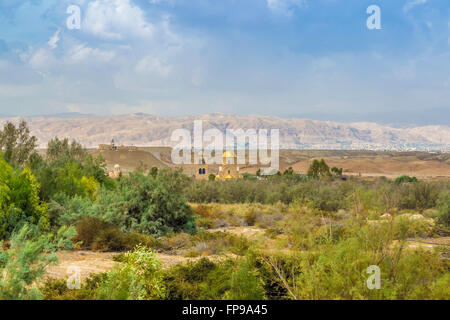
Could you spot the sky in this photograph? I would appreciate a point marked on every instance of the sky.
(312, 59)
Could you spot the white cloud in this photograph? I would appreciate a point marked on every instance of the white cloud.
(53, 42)
(42, 59)
(81, 52)
(115, 20)
(413, 3)
(153, 65)
(285, 7)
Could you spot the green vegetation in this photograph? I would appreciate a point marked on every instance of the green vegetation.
(19, 200)
(16, 143)
(287, 236)
(29, 252)
(405, 179)
(318, 169)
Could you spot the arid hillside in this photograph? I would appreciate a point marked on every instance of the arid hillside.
(365, 163)
(149, 130)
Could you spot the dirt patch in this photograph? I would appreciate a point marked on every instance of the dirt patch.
(251, 233)
(429, 242)
(381, 166)
(91, 262)
(88, 262)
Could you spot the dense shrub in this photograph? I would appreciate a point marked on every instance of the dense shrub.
(404, 179)
(444, 210)
(139, 203)
(420, 195)
(25, 261)
(339, 271)
(96, 234)
(139, 277)
(57, 289)
(245, 282)
(326, 194)
(197, 280)
(146, 204)
(19, 200)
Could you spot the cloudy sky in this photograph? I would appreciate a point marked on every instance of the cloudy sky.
(290, 58)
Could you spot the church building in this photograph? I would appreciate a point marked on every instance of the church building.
(229, 168)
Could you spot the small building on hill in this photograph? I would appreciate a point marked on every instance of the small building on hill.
(112, 147)
(201, 170)
(116, 173)
(229, 169)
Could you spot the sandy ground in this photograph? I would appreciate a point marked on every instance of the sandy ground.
(90, 262)
(391, 168)
(370, 164)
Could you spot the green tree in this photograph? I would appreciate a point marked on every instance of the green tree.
(65, 166)
(318, 169)
(337, 171)
(16, 143)
(63, 151)
(91, 186)
(96, 167)
(68, 180)
(154, 172)
(19, 200)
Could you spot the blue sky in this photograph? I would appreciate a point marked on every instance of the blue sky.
(288, 58)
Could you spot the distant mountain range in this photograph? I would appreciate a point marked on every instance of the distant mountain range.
(149, 130)
(56, 115)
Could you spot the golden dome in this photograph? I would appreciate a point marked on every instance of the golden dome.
(228, 154)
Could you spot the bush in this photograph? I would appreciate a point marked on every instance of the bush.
(444, 210)
(405, 179)
(204, 222)
(57, 289)
(138, 278)
(19, 200)
(26, 259)
(339, 271)
(250, 217)
(148, 205)
(421, 195)
(110, 239)
(88, 229)
(245, 283)
(96, 234)
(203, 280)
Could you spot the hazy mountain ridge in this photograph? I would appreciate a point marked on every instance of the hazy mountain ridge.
(150, 130)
